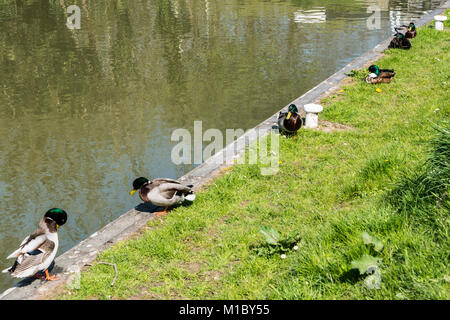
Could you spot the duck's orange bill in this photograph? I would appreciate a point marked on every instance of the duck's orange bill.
(132, 192)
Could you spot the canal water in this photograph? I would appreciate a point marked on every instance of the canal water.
(84, 111)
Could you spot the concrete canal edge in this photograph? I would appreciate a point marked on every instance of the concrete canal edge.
(68, 265)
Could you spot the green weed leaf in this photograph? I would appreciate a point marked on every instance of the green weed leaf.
(368, 239)
(271, 235)
(364, 263)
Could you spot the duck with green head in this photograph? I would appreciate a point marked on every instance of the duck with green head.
(377, 75)
(289, 122)
(399, 42)
(38, 250)
(410, 30)
(162, 192)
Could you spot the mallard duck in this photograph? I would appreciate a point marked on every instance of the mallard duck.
(378, 75)
(412, 32)
(162, 192)
(409, 31)
(399, 42)
(289, 122)
(37, 251)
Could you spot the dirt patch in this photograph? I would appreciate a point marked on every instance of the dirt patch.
(192, 267)
(213, 232)
(327, 126)
(224, 219)
(213, 275)
(147, 294)
(192, 247)
(244, 203)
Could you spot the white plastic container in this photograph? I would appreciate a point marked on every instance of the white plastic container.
(439, 22)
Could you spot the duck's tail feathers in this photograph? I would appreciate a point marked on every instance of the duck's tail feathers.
(6, 270)
(190, 197)
(15, 254)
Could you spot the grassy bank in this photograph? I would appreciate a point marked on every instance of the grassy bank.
(331, 189)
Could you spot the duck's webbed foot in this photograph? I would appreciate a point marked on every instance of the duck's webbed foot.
(161, 213)
(46, 277)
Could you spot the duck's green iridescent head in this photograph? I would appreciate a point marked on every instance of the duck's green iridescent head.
(412, 26)
(57, 215)
(400, 35)
(374, 69)
(138, 183)
(292, 109)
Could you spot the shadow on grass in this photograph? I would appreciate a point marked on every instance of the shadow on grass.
(351, 276)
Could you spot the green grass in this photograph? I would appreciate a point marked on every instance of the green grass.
(331, 187)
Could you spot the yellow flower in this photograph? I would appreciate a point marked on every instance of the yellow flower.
(378, 90)
(340, 91)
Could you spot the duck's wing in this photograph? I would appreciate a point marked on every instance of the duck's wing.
(167, 194)
(30, 243)
(281, 117)
(34, 258)
(168, 190)
(282, 114)
(160, 181)
(401, 29)
(379, 80)
(387, 73)
(395, 43)
(406, 43)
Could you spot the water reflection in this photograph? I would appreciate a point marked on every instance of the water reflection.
(83, 112)
(317, 15)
